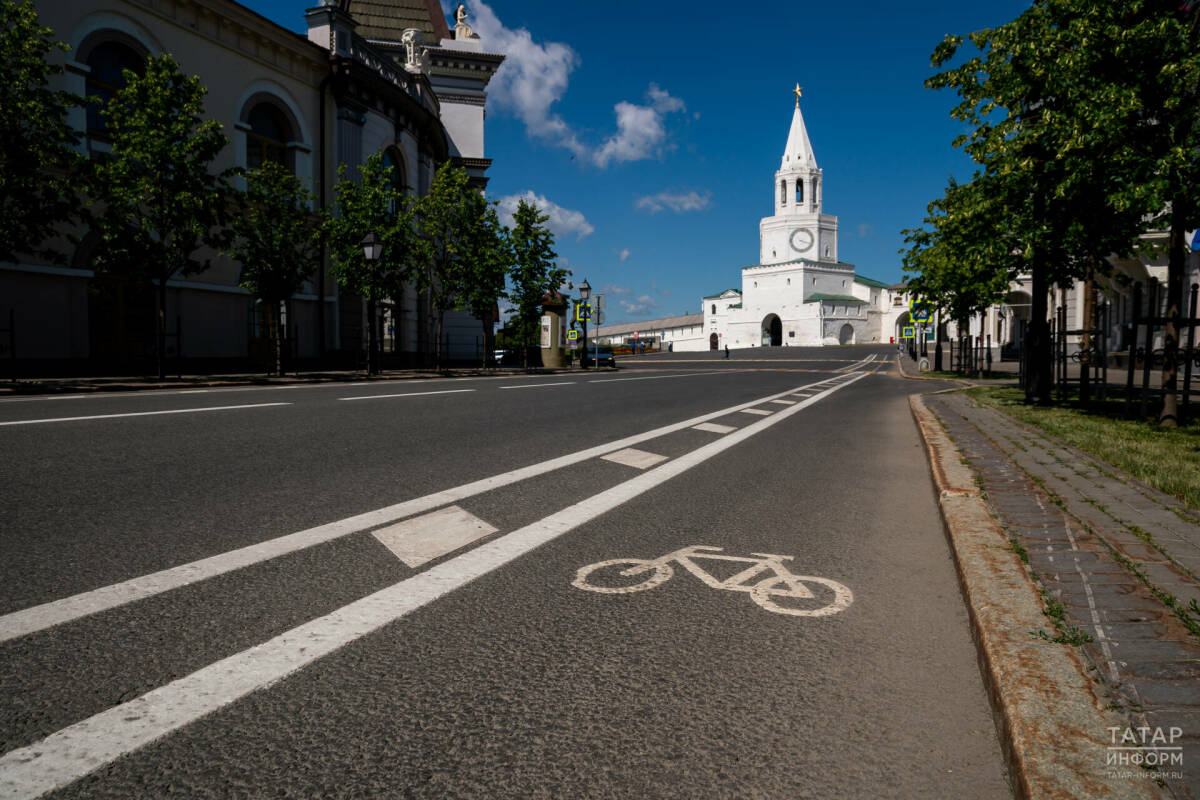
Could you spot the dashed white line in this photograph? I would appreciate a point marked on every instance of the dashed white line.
(658, 377)
(631, 457)
(713, 427)
(762, 412)
(421, 539)
(540, 385)
(141, 414)
(406, 394)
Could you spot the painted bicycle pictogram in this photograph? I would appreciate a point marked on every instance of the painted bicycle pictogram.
(767, 579)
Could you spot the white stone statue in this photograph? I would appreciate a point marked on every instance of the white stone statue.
(411, 39)
(461, 29)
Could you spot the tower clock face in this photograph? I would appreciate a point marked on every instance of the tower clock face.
(801, 239)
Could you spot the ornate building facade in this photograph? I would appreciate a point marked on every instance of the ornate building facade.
(369, 76)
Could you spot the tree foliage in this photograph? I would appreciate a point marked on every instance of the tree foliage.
(534, 271)
(372, 204)
(275, 238)
(163, 205)
(450, 219)
(1082, 116)
(38, 165)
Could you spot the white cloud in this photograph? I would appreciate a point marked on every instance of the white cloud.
(612, 288)
(624, 254)
(865, 230)
(563, 221)
(535, 75)
(643, 304)
(641, 130)
(675, 201)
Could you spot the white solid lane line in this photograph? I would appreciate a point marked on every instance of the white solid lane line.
(86, 746)
(141, 414)
(406, 394)
(36, 618)
(539, 385)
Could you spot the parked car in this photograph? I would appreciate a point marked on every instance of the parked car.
(598, 356)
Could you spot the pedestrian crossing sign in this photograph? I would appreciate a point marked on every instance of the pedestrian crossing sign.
(908, 332)
(573, 335)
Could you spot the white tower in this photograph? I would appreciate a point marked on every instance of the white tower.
(798, 229)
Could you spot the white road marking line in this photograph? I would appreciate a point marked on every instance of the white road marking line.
(406, 394)
(630, 457)
(785, 402)
(56, 612)
(540, 385)
(659, 377)
(713, 427)
(82, 748)
(421, 539)
(141, 414)
(762, 412)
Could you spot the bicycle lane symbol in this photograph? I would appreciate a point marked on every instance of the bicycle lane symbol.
(766, 579)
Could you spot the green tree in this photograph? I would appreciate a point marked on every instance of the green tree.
(963, 259)
(372, 204)
(534, 271)
(487, 254)
(449, 219)
(275, 239)
(163, 205)
(1050, 126)
(38, 166)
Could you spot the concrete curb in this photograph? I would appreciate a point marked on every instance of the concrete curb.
(1054, 728)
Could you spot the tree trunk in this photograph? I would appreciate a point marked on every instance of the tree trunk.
(1176, 268)
(161, 328)
(277, 348)
(1037, 341)
(1087, 341)
(371, 343)
(937, 346)
(441, 323)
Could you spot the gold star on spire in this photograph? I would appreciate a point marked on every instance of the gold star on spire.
(799, 92)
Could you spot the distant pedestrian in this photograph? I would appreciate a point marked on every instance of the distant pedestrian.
(727, 351)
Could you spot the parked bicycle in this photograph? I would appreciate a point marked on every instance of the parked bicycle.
(767, 580)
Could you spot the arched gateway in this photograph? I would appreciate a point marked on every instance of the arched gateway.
(772, 331)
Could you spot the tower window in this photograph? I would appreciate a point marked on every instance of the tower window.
(783, 193)
(799, 192)
(714, 308)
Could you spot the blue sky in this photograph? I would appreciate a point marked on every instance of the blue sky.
(653, 131)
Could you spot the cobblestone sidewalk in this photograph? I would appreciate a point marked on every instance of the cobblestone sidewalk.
(1121, 562)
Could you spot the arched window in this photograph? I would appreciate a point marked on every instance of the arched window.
(714, 308)
(268, 137)
(799, 192)
(783, 193)
(107, 62)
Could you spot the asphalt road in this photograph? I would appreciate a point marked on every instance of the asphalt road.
(199, 599)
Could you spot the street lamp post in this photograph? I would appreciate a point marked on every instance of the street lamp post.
(585, 291)
(372, 250)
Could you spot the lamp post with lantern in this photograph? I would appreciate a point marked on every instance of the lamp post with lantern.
(372, 249)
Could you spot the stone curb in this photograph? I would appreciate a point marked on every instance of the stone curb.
(1054, 728)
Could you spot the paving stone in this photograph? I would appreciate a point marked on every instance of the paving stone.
(1170, 670)
(1167, 693)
